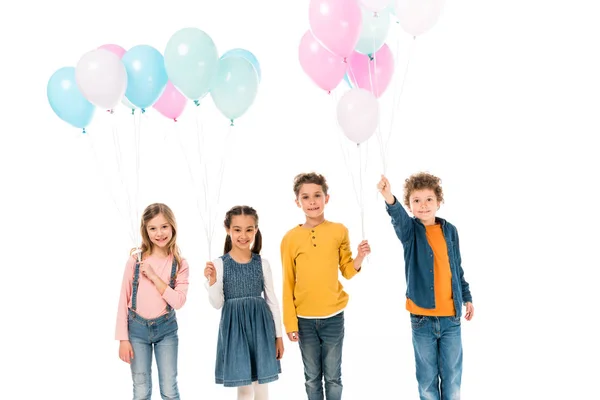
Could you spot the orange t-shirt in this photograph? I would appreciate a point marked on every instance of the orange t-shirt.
(442, 277)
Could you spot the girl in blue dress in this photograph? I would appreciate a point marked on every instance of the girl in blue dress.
(250, 342)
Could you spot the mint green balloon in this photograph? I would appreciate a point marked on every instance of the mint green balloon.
(191, 61)
(374, 31)
(235, 86)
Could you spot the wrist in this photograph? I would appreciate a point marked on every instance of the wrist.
(358, 263)
(390, 199)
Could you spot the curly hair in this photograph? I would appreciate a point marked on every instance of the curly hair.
(310, 177)
(421, 181)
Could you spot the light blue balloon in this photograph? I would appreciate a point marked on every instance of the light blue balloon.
(66, 99)
(146, 75)
(191, 61)
(374, 31)
(248, 56)
(235, 87)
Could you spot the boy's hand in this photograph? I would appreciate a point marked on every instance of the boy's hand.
(470, 311)
(293, 336)
(279, 347)
(385, 189)
(126, 351)
(363, 249)
(210, 272)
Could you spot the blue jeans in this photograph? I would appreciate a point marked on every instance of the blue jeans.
(321, 343)
(438, 356)
(160, 335)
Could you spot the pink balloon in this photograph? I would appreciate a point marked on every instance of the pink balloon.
(336, 24)
(373, 75)
(324, 68)
(171, 103)
(114, 48)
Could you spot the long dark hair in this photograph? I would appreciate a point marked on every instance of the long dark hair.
(242, 210)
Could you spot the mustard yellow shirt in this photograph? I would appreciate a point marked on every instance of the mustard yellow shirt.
(310, 258)
(442, 277)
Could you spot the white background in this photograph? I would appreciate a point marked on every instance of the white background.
(501, 101)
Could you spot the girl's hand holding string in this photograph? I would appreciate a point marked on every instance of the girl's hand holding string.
(147, 271)
(210, 272)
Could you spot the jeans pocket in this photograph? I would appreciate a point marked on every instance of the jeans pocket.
(417, 321)
(455, 320)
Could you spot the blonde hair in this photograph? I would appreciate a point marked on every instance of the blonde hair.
(150, 212)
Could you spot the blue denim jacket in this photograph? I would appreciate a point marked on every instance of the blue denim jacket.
(418, 259)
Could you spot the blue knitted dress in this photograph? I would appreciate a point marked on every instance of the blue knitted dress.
(246, 344)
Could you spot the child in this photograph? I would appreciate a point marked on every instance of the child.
(152, 290)
(313, 297)
(249, 346)
(436, 287)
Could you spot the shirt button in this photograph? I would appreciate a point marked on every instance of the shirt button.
(314, 245)
(314, 237)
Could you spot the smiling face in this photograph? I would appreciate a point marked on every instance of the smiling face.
(424, 204)
(160, 231)
(242, 231)
(311, 199)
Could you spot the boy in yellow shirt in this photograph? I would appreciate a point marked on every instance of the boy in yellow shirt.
(313, 297)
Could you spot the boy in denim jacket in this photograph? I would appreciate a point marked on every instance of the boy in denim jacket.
(436, 287)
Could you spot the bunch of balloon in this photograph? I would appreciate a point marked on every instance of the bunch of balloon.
(196, 70)
(335, 27)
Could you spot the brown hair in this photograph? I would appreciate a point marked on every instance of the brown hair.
(310, 177)
(150, 212)
(420, 181)
(242, 210)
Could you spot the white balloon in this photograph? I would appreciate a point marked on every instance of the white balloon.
(358, 114)
(101, 78)
(418, 16)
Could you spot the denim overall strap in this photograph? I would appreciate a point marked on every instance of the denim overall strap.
(136, 282)
(172, 280)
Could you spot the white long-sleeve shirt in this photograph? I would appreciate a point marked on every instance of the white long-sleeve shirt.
(216, 296)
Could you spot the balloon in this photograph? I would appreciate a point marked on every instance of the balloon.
(374, 31)
(336, 24)
(375, 5)
(101, 77)
(66, 100)
(235, 87)
(119, 51)
(358, 114)
(248, 56)
(127, 103)
(191, 60)
(114, 48)
(146, 75)
(374, 74)
(171, 103)
(323, 67)
(418, 16)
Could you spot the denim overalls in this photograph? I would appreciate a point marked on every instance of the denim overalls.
(158, 335)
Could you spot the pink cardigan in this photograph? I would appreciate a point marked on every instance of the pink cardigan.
(150, 303)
